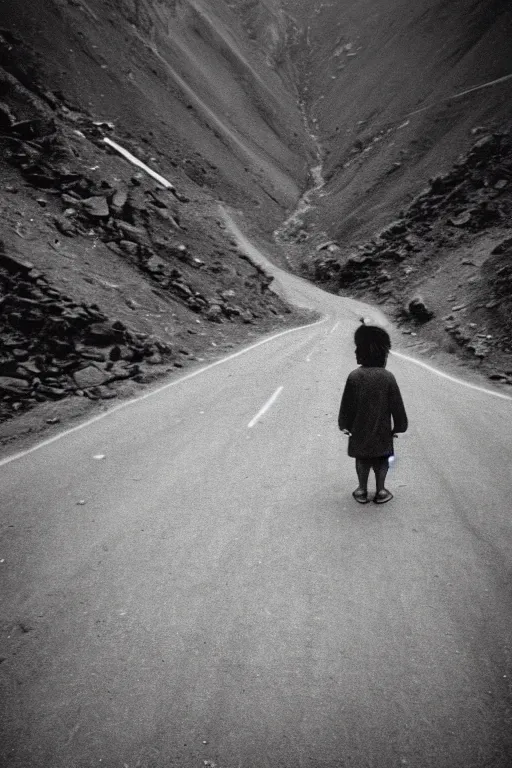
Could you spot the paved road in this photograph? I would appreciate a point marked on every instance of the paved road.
(220, 597)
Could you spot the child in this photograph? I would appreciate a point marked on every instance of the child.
(371, 411)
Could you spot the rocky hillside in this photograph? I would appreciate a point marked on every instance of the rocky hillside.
(410, 107)
(391, 90)
(108, 274)
(180, 78)
(443, 268)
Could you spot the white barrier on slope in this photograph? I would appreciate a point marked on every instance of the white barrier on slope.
(135, 161)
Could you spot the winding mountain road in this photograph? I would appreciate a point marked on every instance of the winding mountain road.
(209, 593)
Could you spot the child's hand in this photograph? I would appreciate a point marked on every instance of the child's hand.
(395, 435)
(346, 432)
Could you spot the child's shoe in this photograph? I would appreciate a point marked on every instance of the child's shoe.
(381, 497)
(360, 496)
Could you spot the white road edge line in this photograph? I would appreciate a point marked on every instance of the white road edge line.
(128, 403)
(265, 408)
(443, 375)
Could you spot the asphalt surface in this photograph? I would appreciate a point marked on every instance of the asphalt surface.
(209, 593)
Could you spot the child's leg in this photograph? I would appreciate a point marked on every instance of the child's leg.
(363, 467)
(380, 467)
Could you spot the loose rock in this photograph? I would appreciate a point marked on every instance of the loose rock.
(96, 207)
(12, 386)
(214, 313)
(91, 376)
(418, 309)
(461, 220)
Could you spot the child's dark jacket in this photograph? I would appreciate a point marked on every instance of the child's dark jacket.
(372, 410)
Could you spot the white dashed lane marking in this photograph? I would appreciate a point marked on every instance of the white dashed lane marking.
(265, 408)
(156, 391)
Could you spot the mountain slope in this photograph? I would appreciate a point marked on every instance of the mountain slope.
(322, 121)
(105, 276)
(410, 105)
(179, 76)
(377, 80)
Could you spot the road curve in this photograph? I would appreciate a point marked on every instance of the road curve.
(187, 581)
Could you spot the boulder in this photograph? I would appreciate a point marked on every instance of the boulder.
(214, 313)
(483, 144)
(154, 359)
(65, 226)
(461, 220)
(231, 310)
(103, 393)
(181, 288)
(247, 316)
(129, 247)
(136, 201)
(93, 354)
(102, 334)
(398, 227)
(328, 245)
(154, 265)
(195, 304)
(29, 369)
(118, 201)
(119, 373)
(85, 378)
(418, 309)
(121, 352)
(96, 207)
(166, 216)
(130, 232)
(51, 391)
(70, 198)
(20, 354)
(12, 386)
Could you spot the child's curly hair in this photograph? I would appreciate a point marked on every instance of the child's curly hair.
(372, 345)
